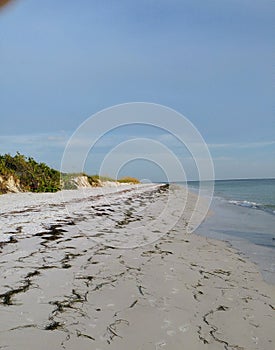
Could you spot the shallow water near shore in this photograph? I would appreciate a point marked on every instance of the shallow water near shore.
(249, 228)
(250, 193)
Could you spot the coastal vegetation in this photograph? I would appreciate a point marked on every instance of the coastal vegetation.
(28, 174)
(74, 180)
(128, 179)
(23, 174)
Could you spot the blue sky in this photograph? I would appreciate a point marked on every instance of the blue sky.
(62, 61)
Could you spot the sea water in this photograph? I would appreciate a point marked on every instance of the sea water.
(244, 215)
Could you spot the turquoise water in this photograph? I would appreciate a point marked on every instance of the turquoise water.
(251, 193)
(244, 215)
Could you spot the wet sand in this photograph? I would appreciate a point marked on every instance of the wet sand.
(86, 271)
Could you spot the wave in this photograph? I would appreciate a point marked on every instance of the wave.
(253, 205)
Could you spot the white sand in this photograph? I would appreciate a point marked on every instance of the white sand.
(63, 288)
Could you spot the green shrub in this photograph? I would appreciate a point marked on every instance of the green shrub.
(128, 179)
(33, 176)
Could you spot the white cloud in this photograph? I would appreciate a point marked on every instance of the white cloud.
(39, 139)
(241, 144)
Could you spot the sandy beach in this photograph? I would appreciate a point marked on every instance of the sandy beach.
(108, 269)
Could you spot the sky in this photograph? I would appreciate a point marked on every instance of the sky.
(211, 61)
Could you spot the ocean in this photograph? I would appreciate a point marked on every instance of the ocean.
(244, 215)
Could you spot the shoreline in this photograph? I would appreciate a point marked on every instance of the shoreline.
(62, 288)
(251, 240)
